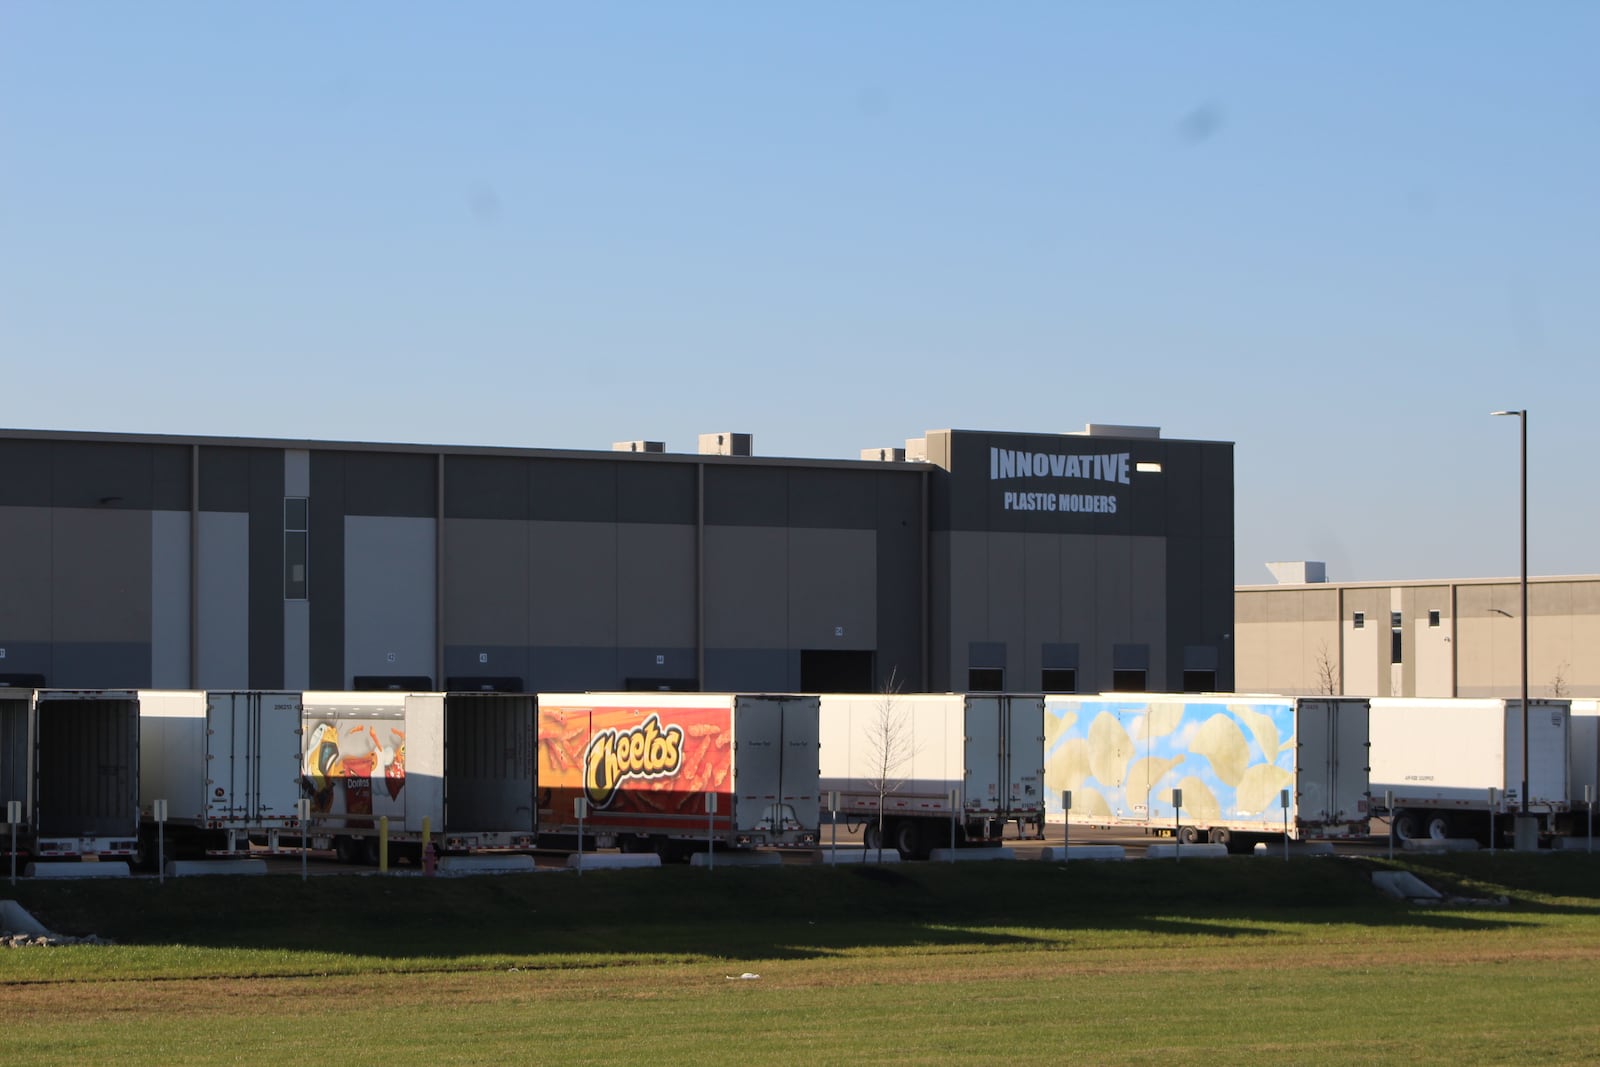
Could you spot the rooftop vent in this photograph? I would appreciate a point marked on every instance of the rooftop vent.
(884, 455)
(1302, 572)
(725, 444)
(638, 446)
(916, 450)
(1106, 429)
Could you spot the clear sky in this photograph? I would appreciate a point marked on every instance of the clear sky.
(1338, 235)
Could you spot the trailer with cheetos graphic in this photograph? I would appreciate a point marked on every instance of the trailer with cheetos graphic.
(647, 763)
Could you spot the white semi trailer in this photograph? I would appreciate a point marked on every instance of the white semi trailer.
(1233, 759)
(226, 763)
(1436, 760)
(897, 760)
(460, 765)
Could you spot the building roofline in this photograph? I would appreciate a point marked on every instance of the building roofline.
(1418, 582)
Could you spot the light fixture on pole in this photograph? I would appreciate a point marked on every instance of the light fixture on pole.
(1522, 798)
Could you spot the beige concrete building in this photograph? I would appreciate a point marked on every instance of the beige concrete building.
(1444, 638)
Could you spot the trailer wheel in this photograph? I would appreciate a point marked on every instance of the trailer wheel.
(1188, 835)
(1437, 826)
(1407, 825)
(871, 837)
(348, 850)
(1218, 835)
(907, 840)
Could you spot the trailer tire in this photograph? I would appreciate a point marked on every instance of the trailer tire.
(1188, 835)
(1437, 826)
(1218, 835)
(348, 850)
(1407, 825)
(907, 840)
(871, 836)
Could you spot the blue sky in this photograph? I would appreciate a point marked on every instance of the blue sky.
(1338, 235)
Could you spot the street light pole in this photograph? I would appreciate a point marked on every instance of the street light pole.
(1522, 415)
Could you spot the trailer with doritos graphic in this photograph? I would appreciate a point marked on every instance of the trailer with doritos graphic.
(1231, 758)
(458, 767)
(646, 764)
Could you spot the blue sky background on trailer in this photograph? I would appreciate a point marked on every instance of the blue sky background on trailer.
(1339, 236)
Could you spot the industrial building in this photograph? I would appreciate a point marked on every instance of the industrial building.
(968, 560)
(1455, 638)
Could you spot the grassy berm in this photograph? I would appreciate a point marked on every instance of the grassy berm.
(1244, 961)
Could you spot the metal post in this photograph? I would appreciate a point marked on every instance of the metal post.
(1177, 825)
(711, 828)
(1492, 795)
(1388, 806)
(580, 808)
(160, 813)
(953, 801)
(833, 807)
(13, 816)
(1283, 799)
(1523, 837)
(303, 813)
(1066, 825)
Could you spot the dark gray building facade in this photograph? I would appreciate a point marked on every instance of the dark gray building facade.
(1026, 562)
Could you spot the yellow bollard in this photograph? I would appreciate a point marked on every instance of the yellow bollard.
(383, 845)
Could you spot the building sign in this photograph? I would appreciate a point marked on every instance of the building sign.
(1058, 481)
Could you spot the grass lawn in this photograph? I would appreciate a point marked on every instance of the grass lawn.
(1238, 961)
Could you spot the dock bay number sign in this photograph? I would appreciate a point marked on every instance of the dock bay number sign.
(1009, 464)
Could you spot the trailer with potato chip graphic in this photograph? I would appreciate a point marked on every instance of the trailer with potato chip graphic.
(646, 762)
(1231, 758)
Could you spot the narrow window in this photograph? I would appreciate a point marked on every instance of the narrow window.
(1395, 642)
(294, 547)
(1359, 620)
(1058, 680)
(1127, 681)
(1433, 618)
(985, 679)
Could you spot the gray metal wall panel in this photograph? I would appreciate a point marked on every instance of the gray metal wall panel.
(224, 479)
(832, 587)
(834, 499)
(266, 568)
(655, 568)
(296, 472)
(747, 588)
(656, 493)
(224, 601)
(486, 564)
(746, 496)
(572, 670)
(485, 487)
(169, 600)
(572, 583)
(24, 474)
(1042, 609)
(27, 657)
(87, 474)
(675, 663)
(388, 596)
(900, 570)
(100, 587)
(296, 644)
(99, 665)
(26, 565)
(1194, 567)
(486, 661)
(388, 484)
(325, 570)
(752, 670)
(570, 490)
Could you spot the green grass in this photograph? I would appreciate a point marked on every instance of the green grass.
(1244, 961)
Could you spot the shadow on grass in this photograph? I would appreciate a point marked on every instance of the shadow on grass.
(799, 912)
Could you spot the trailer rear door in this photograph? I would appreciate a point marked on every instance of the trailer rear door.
(758, 761)
(87, 769)
(1024, 755)
(985, 750)
(15, 745)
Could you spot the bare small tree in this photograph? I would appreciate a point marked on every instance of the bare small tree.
(890, 746)
(1558, 684)
(1327, 669)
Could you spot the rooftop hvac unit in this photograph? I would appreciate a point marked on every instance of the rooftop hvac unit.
(884, 455)
(725, 444)
(916, 450)
(638, 446)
